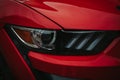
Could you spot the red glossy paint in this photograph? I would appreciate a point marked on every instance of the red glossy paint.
(114, 52)
(100, 68)
(15, 13)
(102, 5)
(16, 63)
(80, 14)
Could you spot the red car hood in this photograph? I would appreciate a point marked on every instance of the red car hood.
(80, 14)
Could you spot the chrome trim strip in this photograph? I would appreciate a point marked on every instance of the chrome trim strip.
(31, 45)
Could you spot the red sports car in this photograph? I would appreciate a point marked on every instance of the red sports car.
(60, 39)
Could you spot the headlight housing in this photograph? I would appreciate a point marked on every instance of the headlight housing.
(61, 42)
(36, 38)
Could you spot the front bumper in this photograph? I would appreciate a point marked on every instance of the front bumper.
(100, 67)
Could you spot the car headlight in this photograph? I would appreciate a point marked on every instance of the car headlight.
(61, 42)
(36, 38)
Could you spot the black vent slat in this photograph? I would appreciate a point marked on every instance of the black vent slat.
(73, 41)
(82, 36)
(84, 41)
(95, 42)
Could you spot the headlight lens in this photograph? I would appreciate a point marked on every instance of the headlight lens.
(44, 39)
(36, 38)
